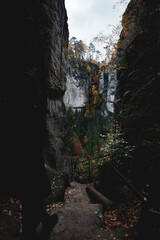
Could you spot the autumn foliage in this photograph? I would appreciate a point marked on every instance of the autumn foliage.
(78, 150)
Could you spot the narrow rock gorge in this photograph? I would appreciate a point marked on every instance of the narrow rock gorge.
(115, 129)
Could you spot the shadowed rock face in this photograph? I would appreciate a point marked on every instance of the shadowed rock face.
(46, 51)
(56, 151)
(138, 86)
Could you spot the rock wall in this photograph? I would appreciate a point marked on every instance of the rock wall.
(103, 89)
(56, 151)
(112, 85)
(79, 89)
(107, 88)
(46, 53)
(137, 98)
(77, 93)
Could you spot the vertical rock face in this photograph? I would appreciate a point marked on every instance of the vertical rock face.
(112, 85)
(55, 151)
(107, 87)
(139, 85)
(103, 88)
(56, 54)
(47, 42)
(78, 90)
(77, 93)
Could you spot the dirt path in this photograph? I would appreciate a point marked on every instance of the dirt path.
(79, 219)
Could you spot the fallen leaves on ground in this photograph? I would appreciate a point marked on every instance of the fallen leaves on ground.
(50, 207)
(124, 215)
(68, 194)
(10, 219)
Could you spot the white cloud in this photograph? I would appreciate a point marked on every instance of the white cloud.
(79, 5)
(86, 18)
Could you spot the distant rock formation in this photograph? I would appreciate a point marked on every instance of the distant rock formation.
(107, 89)
(79, 89)
(77, 93)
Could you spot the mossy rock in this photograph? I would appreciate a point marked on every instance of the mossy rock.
(59, 182)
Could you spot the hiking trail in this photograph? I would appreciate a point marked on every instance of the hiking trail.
(80, 219)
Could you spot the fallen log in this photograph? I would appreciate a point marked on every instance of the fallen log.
(99, 196)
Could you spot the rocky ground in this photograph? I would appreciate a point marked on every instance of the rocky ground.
(79, 218)
(10, 219)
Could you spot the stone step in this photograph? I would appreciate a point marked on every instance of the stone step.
(80, 209)
(79, 219)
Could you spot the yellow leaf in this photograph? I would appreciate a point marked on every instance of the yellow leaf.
(88, 68)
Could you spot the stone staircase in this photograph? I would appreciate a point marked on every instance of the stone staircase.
(79, 219)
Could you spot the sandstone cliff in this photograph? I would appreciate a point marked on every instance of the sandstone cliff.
(79, 87)
(138, 89)
(47, 41)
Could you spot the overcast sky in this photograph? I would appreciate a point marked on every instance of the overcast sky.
(86, 18)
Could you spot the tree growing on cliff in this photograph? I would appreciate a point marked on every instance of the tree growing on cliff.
(110, 43)
(91, 51)
(78, 50)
